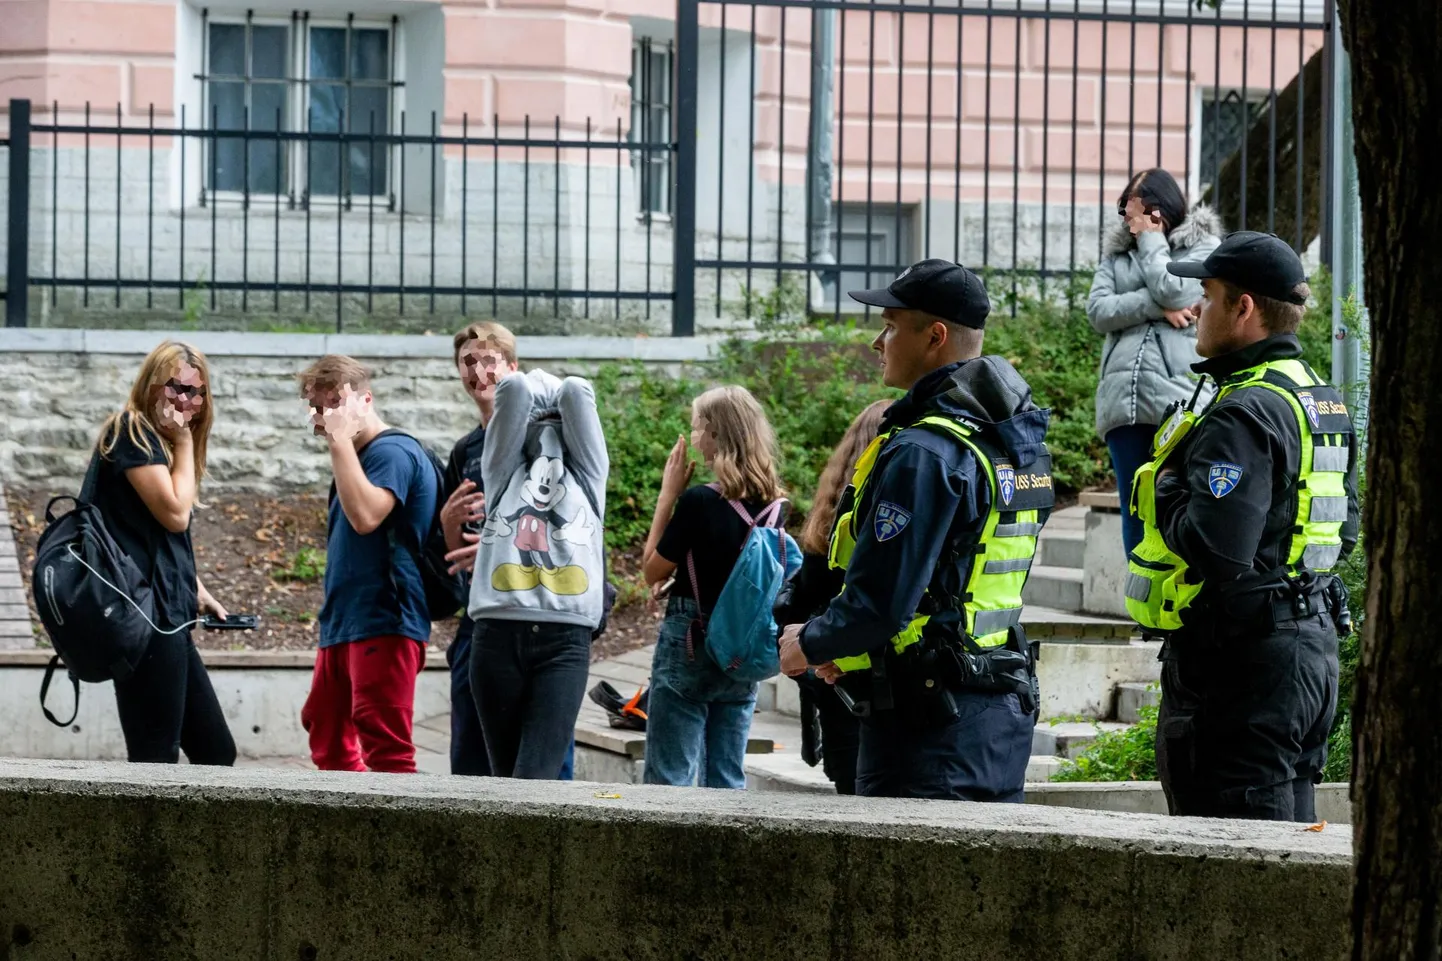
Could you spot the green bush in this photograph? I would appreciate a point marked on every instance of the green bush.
(1127, 755)
(813, 379)
(307, 565)
(1045, 334)
(1316, 330)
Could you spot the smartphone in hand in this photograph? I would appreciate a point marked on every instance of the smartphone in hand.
(235, 622)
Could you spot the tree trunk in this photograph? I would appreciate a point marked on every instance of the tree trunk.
(1396, 50)
(1296, 137)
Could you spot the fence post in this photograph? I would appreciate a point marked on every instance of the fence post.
(683, 218)
(17, 260)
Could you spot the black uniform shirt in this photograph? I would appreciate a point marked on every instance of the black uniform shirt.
(1235, 538)
(926, 492)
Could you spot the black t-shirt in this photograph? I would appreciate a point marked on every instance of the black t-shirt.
(706, 525)
(465, 463)
(166, 559)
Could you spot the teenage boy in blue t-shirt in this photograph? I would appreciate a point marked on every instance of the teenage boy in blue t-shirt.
(373, 623)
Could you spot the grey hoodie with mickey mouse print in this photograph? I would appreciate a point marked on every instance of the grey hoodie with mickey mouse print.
(545, 465)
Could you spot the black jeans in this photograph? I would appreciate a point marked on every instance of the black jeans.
(528, 681)
(1242, 731)
(168, 706)
(468, 742)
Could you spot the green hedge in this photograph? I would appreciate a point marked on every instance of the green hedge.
(812, 380)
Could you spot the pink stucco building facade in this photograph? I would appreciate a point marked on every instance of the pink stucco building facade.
(960, 130)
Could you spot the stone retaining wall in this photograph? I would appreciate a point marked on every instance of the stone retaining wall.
(57, 386)
(121, 862)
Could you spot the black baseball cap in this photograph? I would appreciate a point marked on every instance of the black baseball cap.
(937, 287)
(1262, 264)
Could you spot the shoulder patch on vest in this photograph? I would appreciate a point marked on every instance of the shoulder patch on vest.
(1223, 478)
(1024, 489)
(890, 520)
(1006, 481)
(1325, 409)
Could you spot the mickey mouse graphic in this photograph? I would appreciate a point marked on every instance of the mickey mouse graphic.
(533, 525)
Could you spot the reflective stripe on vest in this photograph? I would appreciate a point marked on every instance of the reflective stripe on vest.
(991, 599)
(1158, 588)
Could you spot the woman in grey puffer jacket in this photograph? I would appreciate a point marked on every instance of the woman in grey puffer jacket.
(1146, 315)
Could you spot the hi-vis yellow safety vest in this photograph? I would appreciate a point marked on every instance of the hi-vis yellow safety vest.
(992, 597)
(1159, 586)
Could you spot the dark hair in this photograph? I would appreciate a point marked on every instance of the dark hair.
(1278, 316)
(1157, 190)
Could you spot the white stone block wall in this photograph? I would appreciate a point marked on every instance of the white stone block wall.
(58, 386)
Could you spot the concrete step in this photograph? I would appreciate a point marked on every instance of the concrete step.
(1067, 739)
(1056, 587)
(779, 695)
(1040, 767)
(1132, 695)
(1070, 518)
(1063, 548)
(785, 772)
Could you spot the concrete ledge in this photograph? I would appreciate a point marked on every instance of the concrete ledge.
(1109, 501)
(1334, 802)
(1105, 565)
(115, 861)
(261, 705)
(219, 660)
(224, 343)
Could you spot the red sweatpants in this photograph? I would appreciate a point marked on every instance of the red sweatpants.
(361, 705)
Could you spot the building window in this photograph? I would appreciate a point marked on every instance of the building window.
(299, 75)
(887, 242)
(652, 67)
(1227, 115)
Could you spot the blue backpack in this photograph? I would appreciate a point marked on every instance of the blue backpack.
(741, 633)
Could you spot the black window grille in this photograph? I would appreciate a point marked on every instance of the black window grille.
(299, 75)
(652, 74)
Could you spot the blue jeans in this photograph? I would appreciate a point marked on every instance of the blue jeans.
(698, 719)
(1130, 447)
(528, 680)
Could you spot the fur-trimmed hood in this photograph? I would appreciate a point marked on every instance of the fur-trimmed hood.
(1201, 223)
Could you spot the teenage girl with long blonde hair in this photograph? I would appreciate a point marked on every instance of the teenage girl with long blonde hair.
(147, 465)
(698, 719)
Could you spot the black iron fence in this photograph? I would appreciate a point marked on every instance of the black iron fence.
(130, 214)
(998, 134)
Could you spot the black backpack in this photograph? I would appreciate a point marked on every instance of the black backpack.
(445, 593)
(96, 606)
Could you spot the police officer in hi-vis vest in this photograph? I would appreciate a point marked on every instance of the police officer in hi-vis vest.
(936, 534)
(1247, 504)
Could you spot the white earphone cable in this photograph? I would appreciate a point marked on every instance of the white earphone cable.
(70, 548)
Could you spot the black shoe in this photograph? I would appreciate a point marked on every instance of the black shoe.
(627, 715)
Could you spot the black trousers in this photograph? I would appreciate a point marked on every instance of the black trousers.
(1242, 731)
(839, 729)
(979, 755)
(528, 681)
(468, 741)
(168, 705)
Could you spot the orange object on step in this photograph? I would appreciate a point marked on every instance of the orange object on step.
(630, 706)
